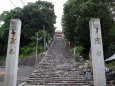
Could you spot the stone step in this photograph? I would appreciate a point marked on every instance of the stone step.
(60, 81)
(80, 78)
(59, 84)
(59, 77)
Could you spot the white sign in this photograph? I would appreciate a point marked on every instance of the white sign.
(13, 53)
(97, 52)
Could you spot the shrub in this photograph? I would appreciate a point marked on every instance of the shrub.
(79, 49)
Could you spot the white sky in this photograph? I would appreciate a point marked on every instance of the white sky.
(58, 6)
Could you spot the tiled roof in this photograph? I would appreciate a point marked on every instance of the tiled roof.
(110, 58)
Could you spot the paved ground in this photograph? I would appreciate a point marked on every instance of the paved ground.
(23, 74)
(26, 67)
(57, 68)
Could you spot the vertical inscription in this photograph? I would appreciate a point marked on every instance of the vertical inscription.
(97, 39)
(13, 35)
(12, 42)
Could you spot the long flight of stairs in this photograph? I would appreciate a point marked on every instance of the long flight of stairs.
(57, 68)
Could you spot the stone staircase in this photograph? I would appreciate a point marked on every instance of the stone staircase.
(57, 68)
(63, 76)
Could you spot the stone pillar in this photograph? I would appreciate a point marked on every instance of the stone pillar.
(13, 53)
(97, 52)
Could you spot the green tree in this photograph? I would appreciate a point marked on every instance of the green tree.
(33, 16)
(75, 21)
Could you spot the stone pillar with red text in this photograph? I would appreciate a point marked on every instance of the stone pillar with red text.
(13, 53)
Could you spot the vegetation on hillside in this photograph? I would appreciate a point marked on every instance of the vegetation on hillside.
(75, 21)
(34, 17)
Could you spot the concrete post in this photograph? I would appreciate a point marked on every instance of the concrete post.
(13, 53)
(74, 50)
(97, 52)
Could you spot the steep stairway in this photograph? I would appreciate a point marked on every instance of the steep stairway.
(57, 68)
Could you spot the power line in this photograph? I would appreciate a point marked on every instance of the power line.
(31, 16)
(12, 3)
(29, 12)
(22, 2)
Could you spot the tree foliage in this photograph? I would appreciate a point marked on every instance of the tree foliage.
(33, 17)
(75, 21)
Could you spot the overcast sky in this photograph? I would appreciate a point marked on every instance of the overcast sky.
(58, 5)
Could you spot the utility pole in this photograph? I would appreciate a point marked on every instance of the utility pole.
(36, 60)
(44, 37)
